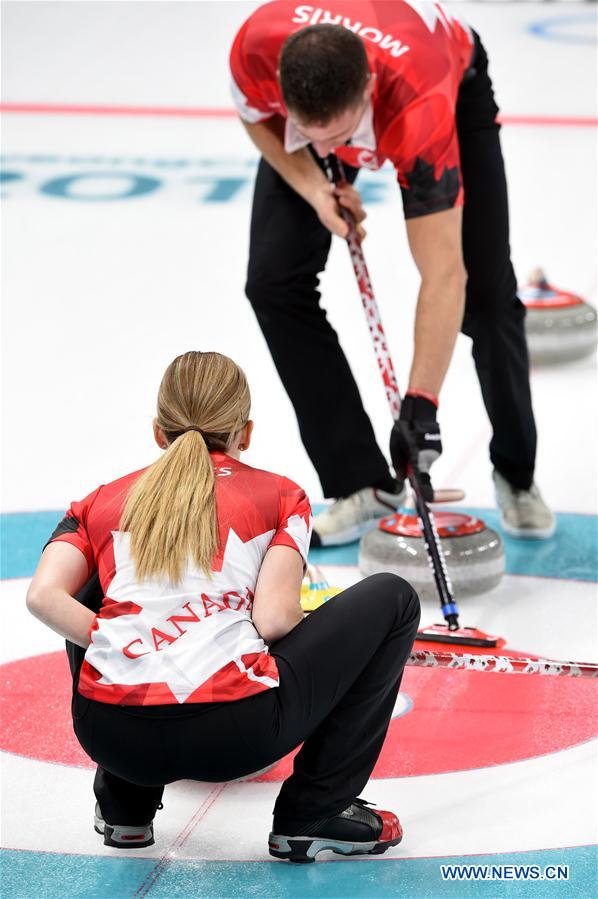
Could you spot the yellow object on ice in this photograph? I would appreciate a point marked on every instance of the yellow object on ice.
(313, 595)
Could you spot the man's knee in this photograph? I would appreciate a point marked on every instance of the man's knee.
(260, 290)
(287, 271)
(490, 314)
(287, 291)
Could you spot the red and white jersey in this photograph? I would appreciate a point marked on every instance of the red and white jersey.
(154, 643)
(418, 52)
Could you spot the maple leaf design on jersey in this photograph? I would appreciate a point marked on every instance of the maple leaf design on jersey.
(431, 13)
(300, 530)
(426, 193)
(162, 633)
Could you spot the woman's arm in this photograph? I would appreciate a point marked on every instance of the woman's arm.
(62, 571)
(276, 606)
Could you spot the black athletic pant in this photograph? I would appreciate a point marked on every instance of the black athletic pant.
(340, 671)
(288, 250)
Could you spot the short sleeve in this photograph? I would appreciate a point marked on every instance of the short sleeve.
(247, 107)
(428, 164)
(294, 520)
(73, 529)
(247, 87)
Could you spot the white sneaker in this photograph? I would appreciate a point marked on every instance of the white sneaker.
(523, 513)
(350, 518)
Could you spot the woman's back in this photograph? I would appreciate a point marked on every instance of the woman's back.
(190, 552)
(156, 642)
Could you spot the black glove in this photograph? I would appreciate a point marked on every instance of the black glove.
(415, 440)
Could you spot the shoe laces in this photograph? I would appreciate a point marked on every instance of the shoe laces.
(363, 802)
(355, 499)
(527, 497)
(518, 494)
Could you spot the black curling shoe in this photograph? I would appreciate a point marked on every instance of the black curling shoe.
(357, 831)
(124, 836)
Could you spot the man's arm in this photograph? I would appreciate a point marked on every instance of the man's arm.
(303, 174)
(435, 242)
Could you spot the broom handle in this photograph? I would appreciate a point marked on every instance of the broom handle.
(336, 174)
(432, 658)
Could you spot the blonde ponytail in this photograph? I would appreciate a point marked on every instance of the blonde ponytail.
(170, 512)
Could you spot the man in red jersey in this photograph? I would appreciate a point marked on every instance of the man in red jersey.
(408, 82)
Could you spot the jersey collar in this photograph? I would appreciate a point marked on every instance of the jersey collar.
(363, 137)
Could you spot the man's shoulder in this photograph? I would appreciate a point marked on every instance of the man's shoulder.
(270, 22)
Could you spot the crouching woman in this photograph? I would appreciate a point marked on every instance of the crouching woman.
(199, 664)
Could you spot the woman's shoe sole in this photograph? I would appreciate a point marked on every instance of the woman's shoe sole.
(303, 850)
(124, 837)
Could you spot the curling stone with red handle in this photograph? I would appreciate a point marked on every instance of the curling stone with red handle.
(559, 325)
(473, 552)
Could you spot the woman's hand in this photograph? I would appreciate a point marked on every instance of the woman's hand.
(327, 200)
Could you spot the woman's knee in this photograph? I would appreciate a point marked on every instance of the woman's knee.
(393, 590)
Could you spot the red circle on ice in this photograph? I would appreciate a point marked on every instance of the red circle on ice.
(459, 720)
(448, 524)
